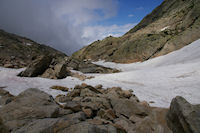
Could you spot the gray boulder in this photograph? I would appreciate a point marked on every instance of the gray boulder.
(183, 117)
(128, 107)
(37, 67)
(27, 106)
(85, 127)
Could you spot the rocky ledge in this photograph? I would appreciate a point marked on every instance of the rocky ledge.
(88, 109)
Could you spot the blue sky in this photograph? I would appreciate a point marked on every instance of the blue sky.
(131, 11)
(68, 25)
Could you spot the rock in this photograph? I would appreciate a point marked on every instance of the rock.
(183, 117)
(83, 85)
(135, 119)
(52, 125)
(28, 105)
(61, 71)
(144, 103)
(86, 127)
(56, 87)
(62, 98)
(74, 93)
(125, 124)
(147, 125)
(108, 114)
(5, 96)
(74, 106)
(8, 65)
(87, 93)
(37, 67)
(77, 99)
(95, 103)
(88, 112)
(88, 67)
(128, 107)
(3, 128)
(134, 98)
(126, 93)
(98, 87)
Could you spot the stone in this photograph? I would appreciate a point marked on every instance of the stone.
(28, 105)
(90, 88)
(73, 105)
(87, 93)
(62, 88)
(183, 117)
(52, 125)
(98, 86)
(3, 128)
(106, 114)
(95, 103)
(88, 112)
(128, 107)
(125, 124)
(8, 65)
(135, 119)
(61, 70)
(37, 67)
(74, 93)
(86, 127)
(62, 98)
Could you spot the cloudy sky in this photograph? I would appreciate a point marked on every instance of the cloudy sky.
(68, 25)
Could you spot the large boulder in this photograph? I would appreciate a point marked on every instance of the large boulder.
(183, 117)
(52, 125)
(5, 97)
(86, 127)
(88, 66)
(37, 67)
(56, 70)
(27, 106)
(128, 107)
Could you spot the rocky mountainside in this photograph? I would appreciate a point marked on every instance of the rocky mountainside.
(18, 52)
(171, 26)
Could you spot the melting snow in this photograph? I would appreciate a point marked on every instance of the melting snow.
(159, 79)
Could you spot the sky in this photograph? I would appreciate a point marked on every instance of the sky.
(68, 25)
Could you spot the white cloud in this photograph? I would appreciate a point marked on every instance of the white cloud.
(62, 24)
(130, 15)
(58, 23)
(93, 33)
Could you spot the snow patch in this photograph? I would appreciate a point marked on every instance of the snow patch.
(29, 44)
(159, 79)
(164, 28)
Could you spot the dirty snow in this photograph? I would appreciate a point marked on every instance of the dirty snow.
(159, 79)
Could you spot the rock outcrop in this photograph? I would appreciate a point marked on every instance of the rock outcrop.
(171, 26)
(183, 117)
(85, 109)
(58, 68)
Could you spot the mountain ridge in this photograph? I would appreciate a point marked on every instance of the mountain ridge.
(171, 26)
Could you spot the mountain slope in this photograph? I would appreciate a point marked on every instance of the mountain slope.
(16, 51)
(171, 26)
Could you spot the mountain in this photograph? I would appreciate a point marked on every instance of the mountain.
(171, 26)
(17, 51)
(41, 60)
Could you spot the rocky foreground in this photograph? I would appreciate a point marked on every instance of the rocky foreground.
(88, 109)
